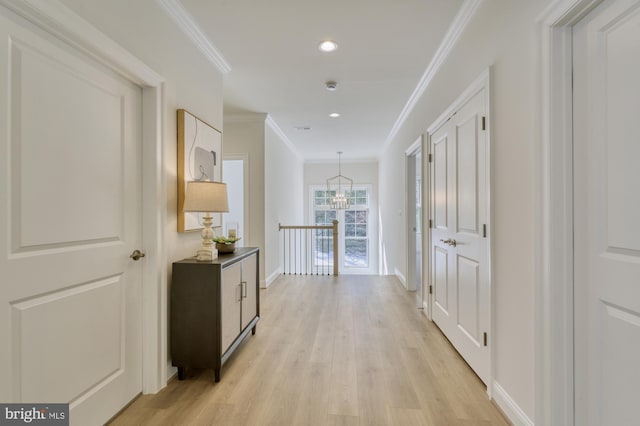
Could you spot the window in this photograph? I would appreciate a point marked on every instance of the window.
(356, 239)
(353, 232)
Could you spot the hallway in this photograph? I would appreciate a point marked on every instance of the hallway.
(350, 350)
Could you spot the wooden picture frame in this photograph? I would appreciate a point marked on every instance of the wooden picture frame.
(199, 158)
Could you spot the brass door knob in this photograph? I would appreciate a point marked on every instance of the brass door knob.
(137, 254)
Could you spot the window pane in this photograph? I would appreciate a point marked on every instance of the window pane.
(319, 217)
(355, 253)
(361, 201)
(361, 216)
(349, 216)
(349, 230)
(361, 230)
(361, 193)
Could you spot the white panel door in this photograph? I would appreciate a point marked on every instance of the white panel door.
(459, 251)
(607, 215)
(70, 314)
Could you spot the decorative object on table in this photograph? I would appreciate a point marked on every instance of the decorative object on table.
(226, 244)
(341, 199)
(199, 159)
(206, 197)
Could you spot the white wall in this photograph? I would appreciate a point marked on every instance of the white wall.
(144, 29)
(500, 35)
(284, 197)
(362, 172)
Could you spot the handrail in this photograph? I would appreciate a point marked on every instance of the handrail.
(304, 249)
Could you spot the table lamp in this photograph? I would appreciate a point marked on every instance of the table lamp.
(206, 197)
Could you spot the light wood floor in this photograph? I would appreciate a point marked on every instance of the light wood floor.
(351, 350)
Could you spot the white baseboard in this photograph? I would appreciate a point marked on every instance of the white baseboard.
(509, 407)
(270, 279)
(401, 277)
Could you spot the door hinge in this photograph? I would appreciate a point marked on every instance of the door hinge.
(430, 223)
(430, 289)
(484, 123)
(430, 157)
(484, 230)
(485, 339)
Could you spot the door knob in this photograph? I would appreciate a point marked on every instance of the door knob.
(137, 254)
(449, 241)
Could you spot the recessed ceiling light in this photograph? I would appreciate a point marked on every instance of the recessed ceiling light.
(334, 115)
(331, 85)
(328, 46)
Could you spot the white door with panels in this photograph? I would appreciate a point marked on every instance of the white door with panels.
(70, 218)
(606, 103)
(459, 247)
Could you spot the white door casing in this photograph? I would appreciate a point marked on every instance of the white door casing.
(607, 214)
(70, 217)
(459, 244)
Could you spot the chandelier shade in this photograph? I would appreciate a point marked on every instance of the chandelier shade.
(343, 188)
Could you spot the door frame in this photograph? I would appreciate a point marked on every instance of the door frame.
(64, 24)
(246, 199)
(410, 154)
(553, 268)
(482, 82)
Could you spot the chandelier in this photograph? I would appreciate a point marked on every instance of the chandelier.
(341, 200)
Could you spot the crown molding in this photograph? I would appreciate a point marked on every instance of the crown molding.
(278, 131)
(176, 11)
(460, 22)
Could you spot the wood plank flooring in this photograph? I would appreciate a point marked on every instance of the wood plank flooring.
(351, 350)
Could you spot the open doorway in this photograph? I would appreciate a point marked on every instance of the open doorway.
(235, 169)
(414, 221)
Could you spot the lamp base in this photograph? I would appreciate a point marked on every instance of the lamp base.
(207, 251)
(206, 254)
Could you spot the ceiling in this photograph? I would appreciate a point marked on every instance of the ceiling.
(384, 48)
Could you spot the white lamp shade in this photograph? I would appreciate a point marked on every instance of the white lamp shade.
(206, 196)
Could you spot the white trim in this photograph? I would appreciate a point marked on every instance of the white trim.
(460, 22)
(553, 268)
(509, 407)
(55, 18)
(183, 19)
(410, 190)
(480, 83)
(414, 148)
(154, 282)
(278, 131)
(271, 278)
(400, 276)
